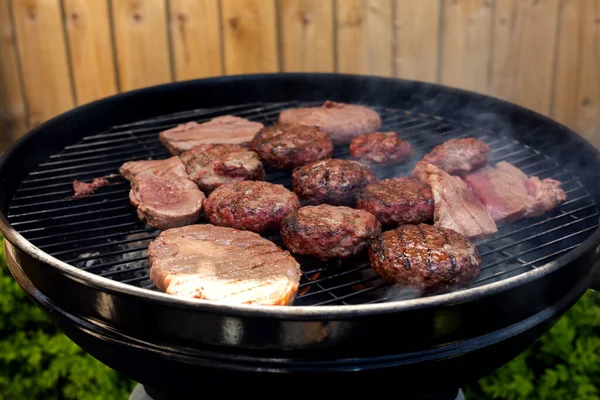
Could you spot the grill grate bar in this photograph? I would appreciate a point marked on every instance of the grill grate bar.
(111, 253)
(95, 238)
(65, 216)
(80, 232)
(69, 207)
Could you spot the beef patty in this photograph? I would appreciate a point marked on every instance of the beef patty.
(331, 181)
(286, 146)
(250, 205)
(341, 121)
(327, 231)
(223, 265)
(425, 258)
(459, 156)
(380, 148)
(397, 201)
(212, 165)
(162, 192)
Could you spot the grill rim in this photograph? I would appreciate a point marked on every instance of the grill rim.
(295, 312)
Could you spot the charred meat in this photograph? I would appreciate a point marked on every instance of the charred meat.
(286, 146)
(226, 129)
(341, 121)
(162, 192)
(426, 258)
(459, 156)
(250, 205)
(332, 181)
(380, 148)
(223, 265)
(397, 201)
(327, 231)
(213, 165)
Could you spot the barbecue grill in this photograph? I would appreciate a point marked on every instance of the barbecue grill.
(84, 260)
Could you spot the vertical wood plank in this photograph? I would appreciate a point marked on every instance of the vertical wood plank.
(250, 36)
(13, 119)
(195, 38)
(90, 43)
(307, 35)
(524, 52)
(466, 43)
(364, 36)
(43, 54)
(142, 44)
(417, 28)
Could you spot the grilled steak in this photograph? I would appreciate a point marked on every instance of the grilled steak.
(328, 231)
(455, 206)
(162, 192)
(341, 121)
(250, 205)
(509, 195)
(426, 258)
(459, 156)
(380, 148)
(332, 181)
(286, 146)
(226, 129)
(223, 265)
(397, 201)
(212, 165)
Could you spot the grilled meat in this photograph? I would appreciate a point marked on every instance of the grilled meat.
(331, 181)
(226, 129)
(162, 192)
(223, 265)
(212, 165)
(509, 195)
(455, 206)
(341, 121)
(81, 188)
(426, 258)
(327, 231)
(397, 201)
(250, 205)
(380, 148)
(286, 146)
(459, 156)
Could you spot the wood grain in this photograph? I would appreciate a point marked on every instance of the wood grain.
(250, 36)
(142, 45)
(90, 43)
(417, 30)
(364, 36)
(307, 40)
(43, 55)
(13, 118)
(195, 30)
(466, 43)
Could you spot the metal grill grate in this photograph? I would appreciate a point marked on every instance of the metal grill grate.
(101, 234)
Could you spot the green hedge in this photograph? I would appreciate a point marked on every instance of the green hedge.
(37, 361)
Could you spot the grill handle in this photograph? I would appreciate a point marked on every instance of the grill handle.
(596, 282)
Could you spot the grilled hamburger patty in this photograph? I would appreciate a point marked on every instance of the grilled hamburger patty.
(341, 121)
(162, 192)
(223, 264)
(459, 156)
(286, 146)
(212, 165)
(380, 148)
(425, 257)
(397, 201)
(331, 181)
(327, 231)
(250, 205)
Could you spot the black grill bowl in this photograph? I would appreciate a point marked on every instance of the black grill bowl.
(533, 270)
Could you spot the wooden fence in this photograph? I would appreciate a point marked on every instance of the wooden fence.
(56, 54)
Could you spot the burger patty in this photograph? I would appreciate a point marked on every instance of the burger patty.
(380, 148)
(397, 201)
(425, 257)
(459, 156)
(250, 205)
(331, 181)
(340, 121)
(327, 231)
(286, 146)
(212, 165)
